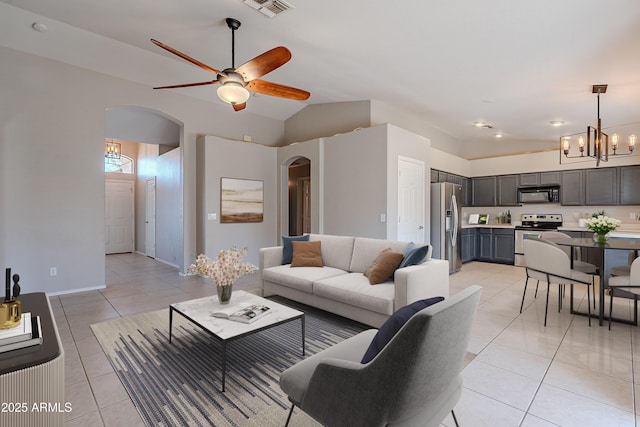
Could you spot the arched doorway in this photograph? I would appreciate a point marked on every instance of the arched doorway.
(152, 139)
(299, 196)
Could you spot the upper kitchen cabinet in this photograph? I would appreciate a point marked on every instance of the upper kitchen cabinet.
(550, 178)
(572, 188)
(508, 190)
(529, 179)
(434, 176)
(601, 186)
(483, 191)
(629, 185)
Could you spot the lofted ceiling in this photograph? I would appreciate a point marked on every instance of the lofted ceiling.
(514, 65)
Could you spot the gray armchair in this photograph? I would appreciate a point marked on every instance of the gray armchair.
(414, 381)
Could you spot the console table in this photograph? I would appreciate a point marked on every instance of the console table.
(32, 378)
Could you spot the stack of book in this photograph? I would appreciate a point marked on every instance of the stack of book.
(28, 333)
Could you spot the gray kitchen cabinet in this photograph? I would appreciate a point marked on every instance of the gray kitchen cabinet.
(601, 186)
(485, 245)
(550, 178)
(469, 242)
(629, 185)
(495, 245)
(466, 192)
(529, 179)
(483, 191)
(507, 190)
(572, 188)
(503, 245)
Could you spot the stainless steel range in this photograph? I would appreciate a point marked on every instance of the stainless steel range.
(533, 225)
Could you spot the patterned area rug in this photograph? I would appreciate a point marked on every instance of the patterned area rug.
(178, 383)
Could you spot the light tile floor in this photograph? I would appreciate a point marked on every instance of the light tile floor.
(524, 374)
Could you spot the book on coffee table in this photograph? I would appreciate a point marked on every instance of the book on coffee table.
(34, 338)
(247, 314)
(18, 333)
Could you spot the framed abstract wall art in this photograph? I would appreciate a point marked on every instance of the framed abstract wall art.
(241, 200)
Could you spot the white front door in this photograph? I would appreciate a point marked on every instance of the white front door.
(118, 217)
(411, 215)
(150, 219)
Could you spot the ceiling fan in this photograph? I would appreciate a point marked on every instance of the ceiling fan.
(235, 83)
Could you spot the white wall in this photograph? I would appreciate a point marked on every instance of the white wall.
(169, 213)
(234, 159)
(355, 183)
(538, 162)
(51, 165)
(323, 120)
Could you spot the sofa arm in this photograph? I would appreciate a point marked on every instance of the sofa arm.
(416, 282)
(270, 257)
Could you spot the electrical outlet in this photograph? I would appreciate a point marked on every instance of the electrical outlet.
(53, 271)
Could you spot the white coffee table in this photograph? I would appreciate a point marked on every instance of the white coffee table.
(198, 311)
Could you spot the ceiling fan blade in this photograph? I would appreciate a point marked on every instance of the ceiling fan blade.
(238, 107)
(185, 57)
(265, 63)
(210, 82)
(276, 89)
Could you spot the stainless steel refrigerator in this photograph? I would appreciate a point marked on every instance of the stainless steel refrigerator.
(446, 224)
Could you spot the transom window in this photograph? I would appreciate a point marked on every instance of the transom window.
(122, 165)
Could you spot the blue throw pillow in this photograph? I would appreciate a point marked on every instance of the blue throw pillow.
(414, 255)
(393, 325)
(287, 247)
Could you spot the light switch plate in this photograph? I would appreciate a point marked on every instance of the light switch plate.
(212, 216)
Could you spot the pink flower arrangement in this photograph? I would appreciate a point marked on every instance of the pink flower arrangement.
(225, 269)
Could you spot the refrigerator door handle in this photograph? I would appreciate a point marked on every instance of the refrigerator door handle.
(454, 208)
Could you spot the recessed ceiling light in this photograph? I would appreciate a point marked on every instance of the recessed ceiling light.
(41, 28)
(482, 125)
(556, 123)
(498, 135)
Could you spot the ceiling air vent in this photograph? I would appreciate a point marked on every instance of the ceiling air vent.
(269, 8)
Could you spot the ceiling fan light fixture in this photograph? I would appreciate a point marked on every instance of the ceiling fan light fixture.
(233, 93)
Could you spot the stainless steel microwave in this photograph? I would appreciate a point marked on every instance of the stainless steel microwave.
(539, 194)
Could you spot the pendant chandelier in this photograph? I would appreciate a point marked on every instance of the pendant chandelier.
(596, 143)
(112, 150)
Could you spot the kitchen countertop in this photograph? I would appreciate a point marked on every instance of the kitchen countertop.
(488, 226)
(626, 231)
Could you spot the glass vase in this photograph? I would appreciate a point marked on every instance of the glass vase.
(600, 238)
(224, 293)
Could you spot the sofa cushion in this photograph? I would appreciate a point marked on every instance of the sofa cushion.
(300, 278)
(414, 254)
(383, 267)
(287, 247)
(354, 289)
(365, 251)
(306, 254)
(393, 325)
(336, 250)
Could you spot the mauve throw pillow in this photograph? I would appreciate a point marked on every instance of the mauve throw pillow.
(287, 247)
(393, 325)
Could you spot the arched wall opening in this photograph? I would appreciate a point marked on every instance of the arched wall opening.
(153, 139)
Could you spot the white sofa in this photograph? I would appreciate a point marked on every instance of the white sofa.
(340, 286)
